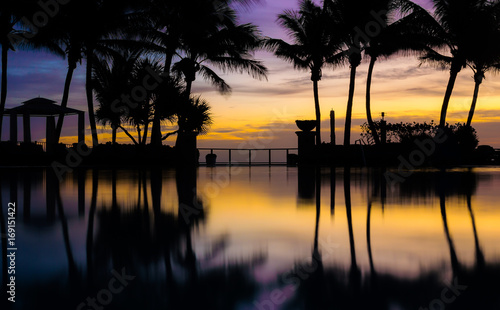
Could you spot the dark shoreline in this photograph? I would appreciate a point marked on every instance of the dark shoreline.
(132, 156)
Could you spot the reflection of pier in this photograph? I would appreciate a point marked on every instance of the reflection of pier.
(250, 155)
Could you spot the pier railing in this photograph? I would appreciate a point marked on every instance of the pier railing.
(251, 156)
(42, 144)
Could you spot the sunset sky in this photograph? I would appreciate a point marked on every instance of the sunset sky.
(265, 111)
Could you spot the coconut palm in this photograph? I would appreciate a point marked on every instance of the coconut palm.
(486, 54)
(6, 27)
(351, 18)
(61, 37)
(212, 36)
(142, 115)
(109, 82)
(10, 15)
(459, 25)
(313, 46)
(159, 31)
(100, 28)
(408, 35)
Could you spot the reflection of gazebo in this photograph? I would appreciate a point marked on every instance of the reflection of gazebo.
(41, 107)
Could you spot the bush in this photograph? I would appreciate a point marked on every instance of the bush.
(462, 136)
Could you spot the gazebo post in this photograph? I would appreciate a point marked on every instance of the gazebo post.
(26, 128)
(13, 128)
(50, 133)
(81, 128)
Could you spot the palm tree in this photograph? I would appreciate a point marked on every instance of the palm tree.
(313, 46)
(10, 15)
(486, 54)
(101, 25)
(458, 25)
(351, 18)
(198, 32)
(405, 36)
(212, 36)
(159, 28)
(6, 27)
(143, 115)
(61, 37)
(109, 82)
(196, 114)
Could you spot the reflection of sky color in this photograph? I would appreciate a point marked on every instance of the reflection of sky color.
(402, 89)
(259, 212)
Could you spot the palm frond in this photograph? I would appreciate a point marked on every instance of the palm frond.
(209, 75)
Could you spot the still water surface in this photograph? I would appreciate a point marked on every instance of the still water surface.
(255, 238)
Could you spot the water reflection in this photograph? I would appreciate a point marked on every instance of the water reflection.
(232, 238)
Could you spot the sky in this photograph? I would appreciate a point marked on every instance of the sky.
(261, 114)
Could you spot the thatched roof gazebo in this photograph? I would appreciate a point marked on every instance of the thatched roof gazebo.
(42, 107)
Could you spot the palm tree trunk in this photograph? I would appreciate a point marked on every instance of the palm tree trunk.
(182, 119)
(145, 135)
(128, 134)
(318, 112)
(156, 128)
(189, 85)
(348, 116)
(139, 137)
(3, 96)
(368, 101)
(447, 96)
(478, 80)
(113, 134)
(90, 97)
(64, 101)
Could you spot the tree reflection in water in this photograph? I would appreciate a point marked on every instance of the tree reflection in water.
(159, 247)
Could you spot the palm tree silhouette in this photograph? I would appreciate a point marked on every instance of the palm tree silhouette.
(313, 46)
(458, 25)
(61, 37)
(486, 54)
(110, 81)
(196, 114)
(11, 13)
(351, 17)
(403, 36)
(142, 115)
(212, 35)
(101, 26)
(163, 32)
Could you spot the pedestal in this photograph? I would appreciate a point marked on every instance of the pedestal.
(306, 145)
(187, 150)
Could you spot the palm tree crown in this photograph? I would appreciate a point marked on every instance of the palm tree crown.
(313, 46)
